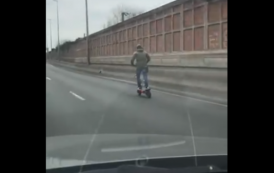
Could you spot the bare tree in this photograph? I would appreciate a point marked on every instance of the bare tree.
(109, 23)
(64, 44)
(64, 41)
(116, 16)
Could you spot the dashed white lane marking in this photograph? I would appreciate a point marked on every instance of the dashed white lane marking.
(48, 78)
(77, 96)
(134, 148)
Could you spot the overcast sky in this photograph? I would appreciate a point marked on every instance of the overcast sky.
(72, 15)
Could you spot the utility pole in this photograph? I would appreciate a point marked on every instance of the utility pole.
(50, 34)
(87, 35)
(58, 27)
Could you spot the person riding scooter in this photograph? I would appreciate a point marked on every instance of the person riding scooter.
(141, 58)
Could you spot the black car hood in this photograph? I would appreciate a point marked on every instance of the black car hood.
(73, 150)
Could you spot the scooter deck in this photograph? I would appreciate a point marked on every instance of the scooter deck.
(143, 91)
(146, 92)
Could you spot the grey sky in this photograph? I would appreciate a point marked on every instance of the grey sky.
(72, 15)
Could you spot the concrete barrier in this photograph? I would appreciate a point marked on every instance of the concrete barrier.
(216, 59)
(207, 80)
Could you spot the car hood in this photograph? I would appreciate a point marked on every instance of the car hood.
(73, 150)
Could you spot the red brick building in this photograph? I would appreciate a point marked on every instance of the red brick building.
(180, 26)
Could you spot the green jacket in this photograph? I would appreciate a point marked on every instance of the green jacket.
(141, 58)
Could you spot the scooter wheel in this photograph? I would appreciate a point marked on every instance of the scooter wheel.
(139, 92)
(148, 93)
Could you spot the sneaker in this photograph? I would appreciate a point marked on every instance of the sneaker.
(148, 88)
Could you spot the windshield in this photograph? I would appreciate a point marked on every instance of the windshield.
(108, 99)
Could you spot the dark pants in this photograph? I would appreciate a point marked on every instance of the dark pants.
(139, 72)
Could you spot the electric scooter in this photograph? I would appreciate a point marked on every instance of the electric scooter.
(143, 91)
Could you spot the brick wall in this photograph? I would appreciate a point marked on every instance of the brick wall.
(181, 26)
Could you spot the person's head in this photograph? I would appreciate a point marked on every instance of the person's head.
(139, 48)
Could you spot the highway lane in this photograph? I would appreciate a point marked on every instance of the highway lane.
(80, 104)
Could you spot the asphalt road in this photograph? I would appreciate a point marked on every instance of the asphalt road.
(80, 104)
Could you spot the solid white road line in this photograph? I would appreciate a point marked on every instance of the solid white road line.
(92, 139)
(192, 134)
(164, 92)
(48, 78)
(200, 100)
(148, 147)
(77, 96)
